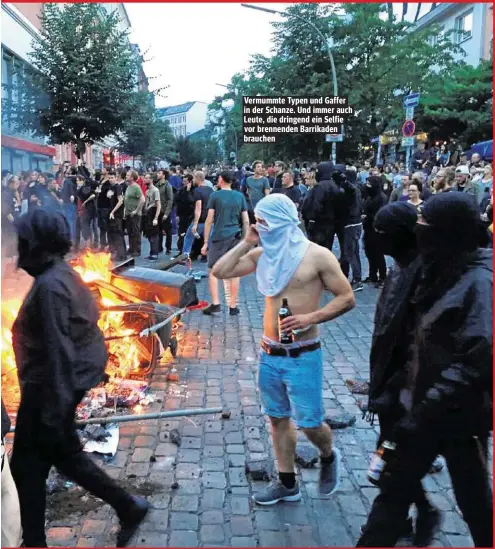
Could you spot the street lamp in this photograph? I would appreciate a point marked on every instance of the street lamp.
(328, 43)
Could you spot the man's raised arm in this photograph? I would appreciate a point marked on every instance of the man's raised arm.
(241, 260)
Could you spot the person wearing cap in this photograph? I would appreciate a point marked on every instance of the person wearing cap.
(464, 183)
(448, 392)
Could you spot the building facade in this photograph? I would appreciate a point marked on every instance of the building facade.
(20, 151)
(185, 119)
(470, 25)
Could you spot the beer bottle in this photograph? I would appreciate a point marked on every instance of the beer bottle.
(379, 461)
(284, 312)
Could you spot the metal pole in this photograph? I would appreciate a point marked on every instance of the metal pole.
(143, 417)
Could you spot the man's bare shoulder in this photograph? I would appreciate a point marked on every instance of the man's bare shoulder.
(320, 255)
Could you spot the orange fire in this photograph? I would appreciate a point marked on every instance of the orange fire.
(125, 354)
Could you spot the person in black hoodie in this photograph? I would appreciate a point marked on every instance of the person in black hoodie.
(448, 395)
(184, 205)
(395, 227)
(321, 205)
(60, 353)
(375, 200)
(352, 227)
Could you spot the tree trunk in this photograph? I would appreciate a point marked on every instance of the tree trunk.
(417, 12)
(390, 10)
(404, 10)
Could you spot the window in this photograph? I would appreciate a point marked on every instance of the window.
(434, 39)
(464, 27)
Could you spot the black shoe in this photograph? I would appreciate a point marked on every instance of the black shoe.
(427, 521)
(152, 257)
(233, 311)
(379, 284)
(370, 280)
(130, 523)
(357, 286)
(406, 532)
(211, 309)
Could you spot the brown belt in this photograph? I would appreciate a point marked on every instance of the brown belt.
(292, 353)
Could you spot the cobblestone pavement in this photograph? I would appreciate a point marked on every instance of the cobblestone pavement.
(200, 492)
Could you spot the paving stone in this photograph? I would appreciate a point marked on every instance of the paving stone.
(300, 536)
(93, 528)
(61, 537)
(187, 471)
(144, 441)
(189, 456)
(243, 542)
(191, 443)
(240, 505)
(183, 539)
(237, 476)
(274, 539)
(142, 455)
(185, 503)
(211, 533)
(212, 479)
(212, 517)
(267, 520)
(184, 521)
(166, 449)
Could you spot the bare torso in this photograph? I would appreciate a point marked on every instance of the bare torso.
(303, 294)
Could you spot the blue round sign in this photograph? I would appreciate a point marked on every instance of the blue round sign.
(408, 128)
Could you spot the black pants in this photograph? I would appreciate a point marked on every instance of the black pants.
(184, 222)
(467, 465)
(36, 450)
(103, 218)
(320, 234)
(134, 231)
(152, 233)
(350, 258)
(116, 239)
(166, 230)
(376, 259)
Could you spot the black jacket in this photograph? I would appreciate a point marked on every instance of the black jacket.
(323, 204)
(375, 200)
(57, 343)
(353, 201)
(452, 392)
(5, 421)
(392, 339)
(184, 202)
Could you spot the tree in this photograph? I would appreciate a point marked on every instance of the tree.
(85, 75)
(459, 104)
(188, 151)
(377, 61)
(142, 134)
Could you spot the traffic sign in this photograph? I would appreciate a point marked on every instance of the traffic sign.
(408, 128)
(411, 100)
(409, 113)
(334, 138)
(408, 141)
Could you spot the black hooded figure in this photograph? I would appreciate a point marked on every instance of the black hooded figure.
(60, 353)
(447, 397)
(321, 208)
(375, 199)
(395, 226)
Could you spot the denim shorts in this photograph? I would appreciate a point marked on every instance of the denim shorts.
(293, 387)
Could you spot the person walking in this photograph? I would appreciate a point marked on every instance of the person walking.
(201, 196)
(60, 354)
(290, 267)
(152, 207)
(167, 201)
(184, 206)
(228, 216)
(448, 393)
(374, 201)
(133, 208)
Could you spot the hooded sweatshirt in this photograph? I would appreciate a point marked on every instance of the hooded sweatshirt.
(57, 343)
(375, 200)
(322, 204)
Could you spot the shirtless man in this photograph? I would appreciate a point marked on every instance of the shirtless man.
(288, 265)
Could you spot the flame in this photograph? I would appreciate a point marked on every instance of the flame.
(125, 355)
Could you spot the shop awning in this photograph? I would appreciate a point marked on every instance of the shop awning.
(484, 149)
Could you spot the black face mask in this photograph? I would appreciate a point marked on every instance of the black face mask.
(397, 245)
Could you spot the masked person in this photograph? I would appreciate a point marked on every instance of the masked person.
(375, 199)
(60, 354)
(395, 226)
(447, 397)
(288, 266)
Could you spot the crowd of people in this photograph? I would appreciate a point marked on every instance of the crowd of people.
(431, 392)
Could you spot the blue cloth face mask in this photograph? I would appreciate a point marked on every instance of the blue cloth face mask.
(284, 244)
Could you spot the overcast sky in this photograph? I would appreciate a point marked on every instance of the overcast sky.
(196, 46)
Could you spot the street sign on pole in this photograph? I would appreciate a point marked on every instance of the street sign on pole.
(408, 128)
(409, 113)
(408, 141)
(411, 100)
(334, 138)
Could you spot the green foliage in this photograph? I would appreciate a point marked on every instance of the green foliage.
(142, 134)
(459, 104)
(85, 75)
(377, 61)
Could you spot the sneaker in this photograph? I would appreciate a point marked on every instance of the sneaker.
(276, 492)
(211, 309)
(130, 523)
(379, 284)
(233, 311)
(427, 521)
(357, 286)
(330, 475)
(152, 257)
